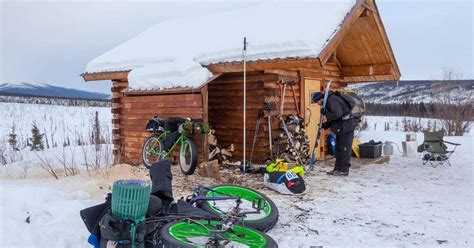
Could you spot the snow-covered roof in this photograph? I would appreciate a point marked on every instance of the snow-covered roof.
(172, 53)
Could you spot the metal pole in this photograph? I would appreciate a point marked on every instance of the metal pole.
(244, 51)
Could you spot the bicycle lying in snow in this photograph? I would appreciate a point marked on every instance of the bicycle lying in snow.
(219, 216)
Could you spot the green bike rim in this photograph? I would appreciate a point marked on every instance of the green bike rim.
(196, 234)
(244, 194)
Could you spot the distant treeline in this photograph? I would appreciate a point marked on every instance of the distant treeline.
(401, 109)
(56, 101)
(424, 110)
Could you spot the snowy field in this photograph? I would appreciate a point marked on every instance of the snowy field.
(400, 204)
(396, 123)
(58, 123)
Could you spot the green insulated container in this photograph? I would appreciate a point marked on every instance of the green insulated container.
(130, 200)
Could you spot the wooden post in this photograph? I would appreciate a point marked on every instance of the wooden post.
(205, 118)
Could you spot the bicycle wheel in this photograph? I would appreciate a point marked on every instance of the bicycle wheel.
(188, 156)
(152, 151)
(263, 221)
(201, 233)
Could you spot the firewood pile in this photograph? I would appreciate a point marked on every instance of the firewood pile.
(296, 128)
(218, 155)
(223, 154)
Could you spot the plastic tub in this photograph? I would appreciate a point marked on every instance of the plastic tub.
(368, 150)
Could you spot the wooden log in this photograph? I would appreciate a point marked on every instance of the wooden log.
(226, 153)
(214, 153)
(211, 139)
(210, 169)
(230, 148)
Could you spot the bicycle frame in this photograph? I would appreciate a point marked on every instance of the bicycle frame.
(180, 141)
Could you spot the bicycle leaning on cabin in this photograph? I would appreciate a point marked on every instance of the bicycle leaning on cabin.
(170, 133)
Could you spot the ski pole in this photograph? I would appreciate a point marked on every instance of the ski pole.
(312, 160)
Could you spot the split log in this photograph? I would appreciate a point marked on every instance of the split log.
(211, 139)
(230, 148)
(226, 153)
(214, 153)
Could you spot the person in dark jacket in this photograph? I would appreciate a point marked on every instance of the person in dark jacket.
(338, 118)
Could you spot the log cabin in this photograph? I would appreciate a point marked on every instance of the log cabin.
(193, 67)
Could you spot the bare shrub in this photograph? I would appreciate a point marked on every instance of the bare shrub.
(456, 115)
(95, 160)
(412, 125)
(45, 164)
(85, 155)
(67, 160)
(455, 118)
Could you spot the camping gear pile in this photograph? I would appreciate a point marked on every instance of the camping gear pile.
(137, 215)
(283, 179)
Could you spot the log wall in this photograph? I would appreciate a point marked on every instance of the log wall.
(136, 110)
(226, 108)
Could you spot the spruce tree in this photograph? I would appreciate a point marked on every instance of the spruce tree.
(36, 139)
(96, 132)
(12, 139)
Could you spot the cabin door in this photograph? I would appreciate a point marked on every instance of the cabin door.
(312, 112)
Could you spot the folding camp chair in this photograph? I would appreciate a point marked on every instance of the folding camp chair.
(434, 149)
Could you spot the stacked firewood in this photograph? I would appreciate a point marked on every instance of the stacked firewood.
(301, 147)
(216, 152)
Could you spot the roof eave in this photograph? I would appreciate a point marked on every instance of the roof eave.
(98, 76)
(334, 41)
(262, 65)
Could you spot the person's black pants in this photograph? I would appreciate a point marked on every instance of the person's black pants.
(344, 151)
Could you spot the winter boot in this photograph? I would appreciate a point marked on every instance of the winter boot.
(338, 173)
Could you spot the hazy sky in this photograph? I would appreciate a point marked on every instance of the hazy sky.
(52, 42)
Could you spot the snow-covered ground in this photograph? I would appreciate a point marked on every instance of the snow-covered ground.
(396, 123)
(400, 204)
